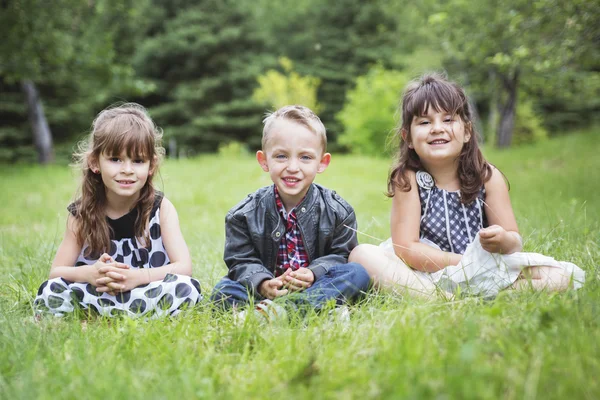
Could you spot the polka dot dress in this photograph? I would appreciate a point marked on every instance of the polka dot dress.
(156, 299)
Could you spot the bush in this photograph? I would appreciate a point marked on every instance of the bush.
(369, 114)
(278, 90)
(528, 125)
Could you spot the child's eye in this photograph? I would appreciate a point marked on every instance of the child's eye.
(448, 119)
(280, 157)
(423, 122)
(114, 159)
(306, 158)
(138, 161)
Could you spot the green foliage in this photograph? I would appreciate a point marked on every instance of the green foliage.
(540, 47)
(528, 125)
(334, 42)
(204, 59)
(277, 89)
(520, 345)
(232, 150)
(77, 57)
(371, 110)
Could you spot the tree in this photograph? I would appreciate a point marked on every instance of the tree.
(334, 42)
(203, 59)
(516, 40)
(62, 51)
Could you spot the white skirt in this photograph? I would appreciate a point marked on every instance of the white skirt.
(484, 274)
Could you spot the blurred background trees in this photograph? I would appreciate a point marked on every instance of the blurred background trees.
(208, 70)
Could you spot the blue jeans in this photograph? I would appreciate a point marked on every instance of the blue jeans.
(342, 283)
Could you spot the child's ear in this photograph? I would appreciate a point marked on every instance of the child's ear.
(468, 130)
(93, 166)
(404, 134)
(324, 163)
(153, 165)
(262, 160)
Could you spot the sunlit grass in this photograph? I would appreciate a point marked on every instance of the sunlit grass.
(521, 345)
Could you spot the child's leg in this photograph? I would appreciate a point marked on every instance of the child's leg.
(54, 297)
(543, 277)
(166, 297)
(343, 283)
(390, 273)
(228, 294)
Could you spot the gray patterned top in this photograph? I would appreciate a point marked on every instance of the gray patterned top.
(445, 221)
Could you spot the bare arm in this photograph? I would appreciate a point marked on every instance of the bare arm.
(175, 245)
(63, 265)
(405, 225)
(502, 234)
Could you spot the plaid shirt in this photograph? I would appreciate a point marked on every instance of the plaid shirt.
(292, 253)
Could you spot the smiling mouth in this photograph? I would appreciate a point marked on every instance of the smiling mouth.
(439, 141)
(291, 180)
(126, 182)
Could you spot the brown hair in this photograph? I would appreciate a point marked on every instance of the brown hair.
(300, 114)
(126, 127)
(434, 90)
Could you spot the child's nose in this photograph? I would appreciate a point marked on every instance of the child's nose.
(292, 165)
(127, 167)
(437, 126)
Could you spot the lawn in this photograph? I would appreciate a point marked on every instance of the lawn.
(518, 346)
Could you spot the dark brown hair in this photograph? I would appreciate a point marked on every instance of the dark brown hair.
(127, 128)
(434, 90)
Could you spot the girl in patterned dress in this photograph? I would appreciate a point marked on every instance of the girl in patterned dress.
(452, 222)
(123, 252)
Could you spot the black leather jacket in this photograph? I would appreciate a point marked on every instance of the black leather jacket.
(254, 229)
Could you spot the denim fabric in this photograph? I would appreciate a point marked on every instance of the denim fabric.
(343, 283)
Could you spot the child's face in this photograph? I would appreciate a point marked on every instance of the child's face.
(123, 177)
(437, 137)
(293, 156)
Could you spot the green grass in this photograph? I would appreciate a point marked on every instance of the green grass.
(519, 346)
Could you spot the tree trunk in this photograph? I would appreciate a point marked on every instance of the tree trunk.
(42, 136)
(508, 110)
(492, 122)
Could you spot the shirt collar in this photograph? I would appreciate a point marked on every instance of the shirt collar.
(281, 206)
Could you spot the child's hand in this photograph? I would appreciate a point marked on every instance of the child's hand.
(93, 271)
(297, 280)
(118, 278)
(496, 239)
(272, 288)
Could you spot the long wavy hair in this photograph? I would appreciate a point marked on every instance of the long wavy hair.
(121, 128)
(434, 90)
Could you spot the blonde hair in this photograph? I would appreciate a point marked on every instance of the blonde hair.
(299, 114)
(120, 128)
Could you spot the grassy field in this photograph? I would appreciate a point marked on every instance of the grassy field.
(518, 346)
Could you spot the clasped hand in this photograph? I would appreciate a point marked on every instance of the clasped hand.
(113, 277)
(289, 281)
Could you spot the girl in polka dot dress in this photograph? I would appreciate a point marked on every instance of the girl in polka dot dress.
(123, 252)
(452, 222)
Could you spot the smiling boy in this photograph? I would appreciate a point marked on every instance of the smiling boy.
(292, 236)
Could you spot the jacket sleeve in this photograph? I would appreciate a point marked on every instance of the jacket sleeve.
(344, 240)
(240, 255)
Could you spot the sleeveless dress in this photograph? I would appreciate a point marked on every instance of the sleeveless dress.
(156, 299)
(451, 226)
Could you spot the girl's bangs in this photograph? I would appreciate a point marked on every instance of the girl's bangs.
(136, 140)
(439, 95)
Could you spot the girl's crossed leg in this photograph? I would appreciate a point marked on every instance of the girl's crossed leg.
(391, 274)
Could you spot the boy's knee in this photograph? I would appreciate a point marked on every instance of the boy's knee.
(360, 275)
